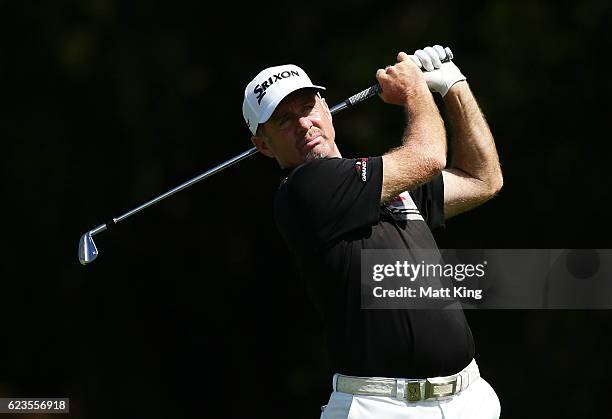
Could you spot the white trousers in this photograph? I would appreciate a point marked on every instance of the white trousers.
(478, 401)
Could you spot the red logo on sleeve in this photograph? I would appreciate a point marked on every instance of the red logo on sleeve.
(361, 166)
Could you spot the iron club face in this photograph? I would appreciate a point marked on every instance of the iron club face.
(88, 251)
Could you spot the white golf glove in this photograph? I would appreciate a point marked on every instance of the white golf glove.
(439, 76)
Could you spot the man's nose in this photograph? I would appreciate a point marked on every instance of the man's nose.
(304, 123)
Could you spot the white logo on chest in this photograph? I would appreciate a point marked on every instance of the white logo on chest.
(403, 208)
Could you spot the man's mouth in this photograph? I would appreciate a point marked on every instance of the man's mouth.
(313, 139)
(311, 142)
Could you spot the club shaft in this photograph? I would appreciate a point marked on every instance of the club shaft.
(99, 229)
(352, 101)
(189, 183)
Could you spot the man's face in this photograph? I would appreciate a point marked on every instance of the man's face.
(299, 130)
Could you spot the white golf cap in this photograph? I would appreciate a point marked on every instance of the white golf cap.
(263, 94)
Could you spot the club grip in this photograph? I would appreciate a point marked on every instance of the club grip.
(369, 92)
(356, 98)
(363, 95)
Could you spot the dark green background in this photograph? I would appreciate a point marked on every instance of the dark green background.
(193, 306)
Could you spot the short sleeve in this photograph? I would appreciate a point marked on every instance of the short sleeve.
(335, 196)
(429, 198)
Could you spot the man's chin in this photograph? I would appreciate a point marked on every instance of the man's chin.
(321, 151)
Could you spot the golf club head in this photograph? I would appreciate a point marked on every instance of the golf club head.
(87, 249)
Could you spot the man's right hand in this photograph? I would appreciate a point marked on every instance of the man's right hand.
(399, 82)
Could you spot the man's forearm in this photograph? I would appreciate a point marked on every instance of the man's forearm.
(474, 148)
(424, 134)
(422, 154)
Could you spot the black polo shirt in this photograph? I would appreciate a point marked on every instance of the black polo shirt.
(327, 210)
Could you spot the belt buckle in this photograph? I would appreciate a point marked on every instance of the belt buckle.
(414, 391)
(436, 388)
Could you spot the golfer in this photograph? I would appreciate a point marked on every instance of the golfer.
(386, 363)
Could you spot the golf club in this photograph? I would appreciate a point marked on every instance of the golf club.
(88, 251)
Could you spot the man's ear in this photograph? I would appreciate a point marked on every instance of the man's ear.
(262, 145)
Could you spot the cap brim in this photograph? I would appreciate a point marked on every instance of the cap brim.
(265, 115)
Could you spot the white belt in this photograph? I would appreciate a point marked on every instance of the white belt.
(412, 390)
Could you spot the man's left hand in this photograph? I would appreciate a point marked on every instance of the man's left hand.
(439, 76)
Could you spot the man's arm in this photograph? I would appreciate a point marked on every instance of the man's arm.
(475, 176)
(422, 154)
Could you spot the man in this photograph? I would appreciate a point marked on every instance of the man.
(329, 208)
